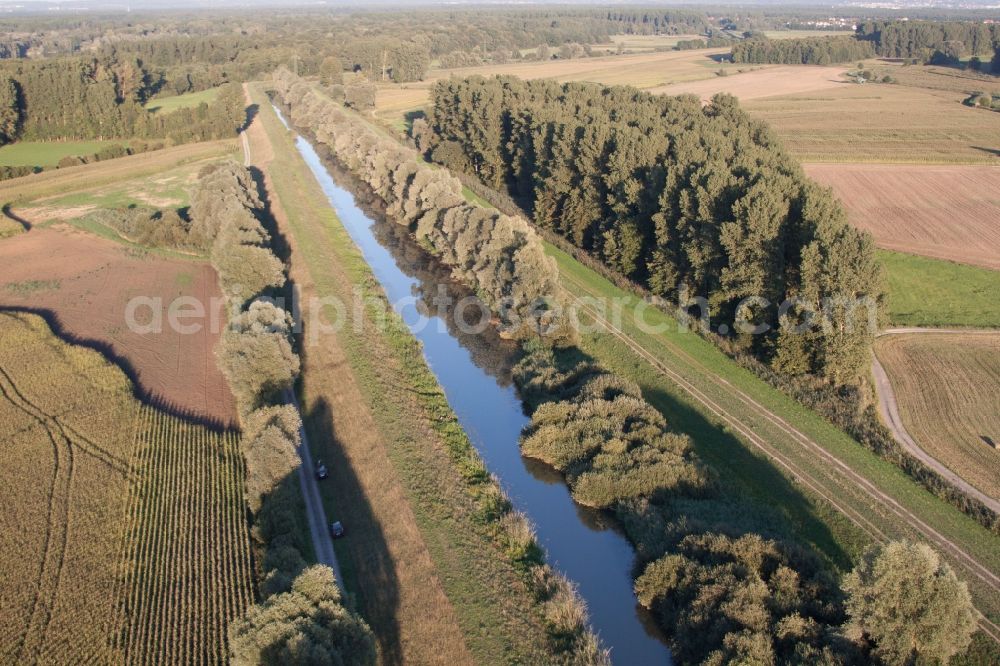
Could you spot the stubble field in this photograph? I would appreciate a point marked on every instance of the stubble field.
(770, 82)
(946, 388)
(122, 537)
(881, 123)
(643, 70)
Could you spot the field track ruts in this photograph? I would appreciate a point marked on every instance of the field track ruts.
(57, 525)
(879, 498)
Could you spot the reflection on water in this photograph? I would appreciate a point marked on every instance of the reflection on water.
(474, 371)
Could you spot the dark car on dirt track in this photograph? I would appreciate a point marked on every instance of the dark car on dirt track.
(321, 471)
(337, 530)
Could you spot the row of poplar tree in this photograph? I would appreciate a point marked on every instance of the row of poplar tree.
(688, 200)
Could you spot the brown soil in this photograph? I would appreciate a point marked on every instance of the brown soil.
(84, 283)
(945, 212)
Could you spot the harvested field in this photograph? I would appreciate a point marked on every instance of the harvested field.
(638, 43)
(881, 123)
(645, 70)
(945, 212)
(771, 82)
(86, 283)
(122, 526)
(946, 389)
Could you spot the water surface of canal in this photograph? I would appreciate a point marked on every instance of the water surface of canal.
(475, 376)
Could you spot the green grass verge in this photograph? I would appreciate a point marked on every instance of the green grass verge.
(933, 292)
(717, 377)
(489, 599)
(48, 153)
(185, 101)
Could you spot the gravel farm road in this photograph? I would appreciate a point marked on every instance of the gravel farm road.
(889, 411)
(319, 528)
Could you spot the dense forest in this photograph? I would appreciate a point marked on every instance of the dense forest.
(807, 51)
(91, 98)
(920, 39)
(684, 199)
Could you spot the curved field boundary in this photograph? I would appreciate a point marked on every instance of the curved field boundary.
(888, 407)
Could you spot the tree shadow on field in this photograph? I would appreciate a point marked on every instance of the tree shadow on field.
(251, 113)
(368, 568)
(744, 476)
(989, 151)
(10, 214)
(139, 391)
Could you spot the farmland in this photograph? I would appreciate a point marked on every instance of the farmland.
(123, 536)
(642, 70)
(945, 386)
(168, 188)
(86, 283)
(769, 82)
(86, 177)
(48, 153)
(881, 123)
(944, 212)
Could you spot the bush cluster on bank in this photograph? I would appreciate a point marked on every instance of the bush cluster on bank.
(720, 591)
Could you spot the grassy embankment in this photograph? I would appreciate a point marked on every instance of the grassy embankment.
(411, 471)
(185, 101)
(937, 293)
(771, 422)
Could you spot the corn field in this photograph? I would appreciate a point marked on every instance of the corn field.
(186, 573)
(123, 537)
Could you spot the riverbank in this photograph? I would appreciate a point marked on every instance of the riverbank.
(421, 567)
